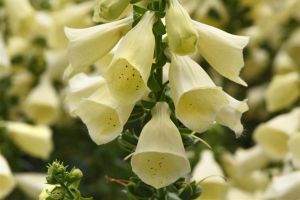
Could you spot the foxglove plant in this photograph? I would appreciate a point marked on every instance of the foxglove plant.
(132, 89)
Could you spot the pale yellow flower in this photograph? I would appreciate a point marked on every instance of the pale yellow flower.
(222, 50)
(88, 45)
(128, 73)
(109, 10)
(32, 184)
(160, 158)
(33, 140)
(210, 177)
(197, 99)
(182, 36)
(7, 181)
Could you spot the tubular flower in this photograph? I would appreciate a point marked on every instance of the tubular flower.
(283, 91)
(223, 51)
(231, 114)
(88, 45)
(7, 181)
(42, 104)
(34, 140)
(130, 68)
(273, 136)
(82, 86)
(182, 35)
(109, 10)
(210, 177)
(32, 184)
(197, 99)
(103, 115)
(160, 159)
(4, 61)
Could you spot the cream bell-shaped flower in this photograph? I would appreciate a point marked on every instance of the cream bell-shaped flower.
(182, 36)
(210, 177)
(33, 140)
(56, 61)
(238, 194)
(7, 181)
(128, 73)
(42, 104)
(273, 136)
(197, 99)
(88, 45)
(101, 113)
(20, 16)
(294, 144)
(285, 186)
(81, 86)
(109, 10)
(17, 46)
(159, 158)
(283, 91)
(73, 15)
(230, 115)
(222, 50)
(32, 184)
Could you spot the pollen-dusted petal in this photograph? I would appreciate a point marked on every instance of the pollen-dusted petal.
(283, 91)
(160, 159)
(34, 140)
(223, 51)
(182, 36)
(7, 181)
(32, 184)
(88, 45)
(128, 74)
(42, 104)
(273, 136)
(230, 115)
(103, 115)
(197, 99)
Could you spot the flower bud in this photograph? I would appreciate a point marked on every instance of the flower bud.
(160, 158)
(182, 35)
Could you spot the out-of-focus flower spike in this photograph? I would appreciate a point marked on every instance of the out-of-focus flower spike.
(222, 50)
(4, 58)
(128, 74)
(160, 158)
(182, 35)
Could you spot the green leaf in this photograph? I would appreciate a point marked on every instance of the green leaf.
(159, 28)
(153, 83)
